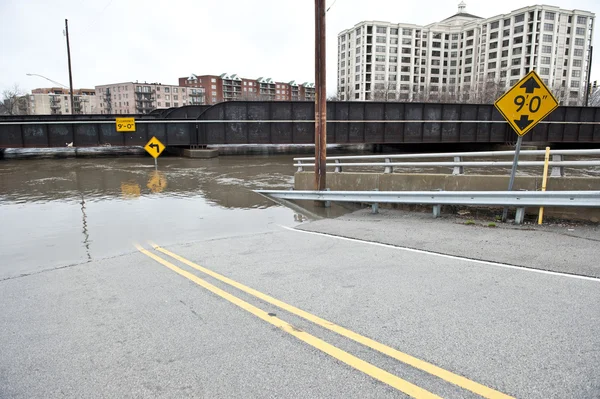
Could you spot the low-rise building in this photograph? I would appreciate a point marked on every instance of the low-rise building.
(142, 98)
(57, 101)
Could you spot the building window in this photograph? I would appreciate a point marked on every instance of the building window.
(407, 41)
(392, 78)
(544, 71)
(515, 72)
(380, 39)
(394, 40)
(576, 73)
(516, 61)
(468, 61)
(357, 69)
(577, 63)
(393, 31)
(574, 83)
(380, 68)
(167, 90)
(491, 65)
(167, 104)
(495, 25)
(549, 15)
(394, 50)
(581, 20)
(580, 31)
(358, 59)
(379, 76)
(493, 55)
(435, 71)
(546, 60)
(579, 41)
(404, 78)
(380, 58)
(519, 18)
(380, 49)
(379, 29)
(506, 32)
(518, 40)
(548, 27)
(502, 74)
(547, 38)
(493, 35)
(578, 52)
(393, 59)
(405, 60)
(406, 50)
(519, 29)
(504, 53)
(174, 89)
(492, 46)
(546, 49)
(406, 32)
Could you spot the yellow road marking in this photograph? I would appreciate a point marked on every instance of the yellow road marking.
(345, 357)
(432, 369)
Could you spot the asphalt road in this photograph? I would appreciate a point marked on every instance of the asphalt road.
(150, 324)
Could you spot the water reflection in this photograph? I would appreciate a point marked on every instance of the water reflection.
(61, 211)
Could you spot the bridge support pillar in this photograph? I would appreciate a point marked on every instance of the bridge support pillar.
(200, 153)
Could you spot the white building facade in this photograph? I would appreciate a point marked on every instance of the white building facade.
(57, 101)
(465, 57)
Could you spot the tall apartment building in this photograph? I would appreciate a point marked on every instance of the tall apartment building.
(57, 101)
(142, 98)
(231, 87)
(465, 57)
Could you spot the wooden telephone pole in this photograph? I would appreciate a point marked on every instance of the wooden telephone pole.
(320, 98)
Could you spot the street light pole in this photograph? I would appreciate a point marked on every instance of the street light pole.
(69, 59)
(320, 98)
(48, 79)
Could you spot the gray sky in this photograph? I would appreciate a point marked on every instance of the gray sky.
(160, 41)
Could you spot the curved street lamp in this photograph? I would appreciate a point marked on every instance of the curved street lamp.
(48, 79)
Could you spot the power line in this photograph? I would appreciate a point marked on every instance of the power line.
(330, 6)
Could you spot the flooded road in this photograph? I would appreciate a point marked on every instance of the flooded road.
(64, 211)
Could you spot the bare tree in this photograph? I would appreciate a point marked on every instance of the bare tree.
(13, 101)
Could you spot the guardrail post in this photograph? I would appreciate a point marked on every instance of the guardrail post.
(388, 169)
(300, 167)
(558, 171)
(327, 203)
(375, 206)
(458, 170)
(338, 169)
(437, 211)
(520, 216)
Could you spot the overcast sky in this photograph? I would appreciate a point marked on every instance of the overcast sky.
(158, 41)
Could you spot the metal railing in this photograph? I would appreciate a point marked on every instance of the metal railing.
(519, 199)
(387, 162)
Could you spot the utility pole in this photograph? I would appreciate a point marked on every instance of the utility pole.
(320, 98)
(69, 59)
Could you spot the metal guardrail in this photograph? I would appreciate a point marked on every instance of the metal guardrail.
(458, 164)
(519, 199)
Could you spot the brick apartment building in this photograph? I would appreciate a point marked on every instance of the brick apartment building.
(226, 87)
(142, 98)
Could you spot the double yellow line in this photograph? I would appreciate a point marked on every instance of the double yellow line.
(359, 364)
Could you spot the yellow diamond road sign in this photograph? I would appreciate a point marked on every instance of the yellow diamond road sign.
(526, 103)
(154, 147)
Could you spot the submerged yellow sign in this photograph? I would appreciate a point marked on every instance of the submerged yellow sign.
(154, 147)
(526, 103)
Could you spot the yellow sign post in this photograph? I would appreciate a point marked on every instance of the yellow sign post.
(523, 107)
(526, 103)
(125, 124)
(154, 147)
